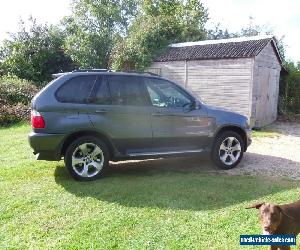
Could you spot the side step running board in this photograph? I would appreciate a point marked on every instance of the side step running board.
(166, 152)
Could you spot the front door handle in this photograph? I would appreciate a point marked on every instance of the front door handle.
(158, 114)
(101, 111)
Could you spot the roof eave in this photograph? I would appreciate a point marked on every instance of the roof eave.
(203, 59)
(277, 51)
(280, 59)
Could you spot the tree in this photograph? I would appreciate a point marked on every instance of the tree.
(158, 24)
(255, 30)
(147, 38)
(94, 26)
(251, 29)
(218, 33)
(34, 54)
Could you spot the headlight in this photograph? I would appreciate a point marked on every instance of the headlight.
(247, 123)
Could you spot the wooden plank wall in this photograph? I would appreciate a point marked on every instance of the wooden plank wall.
(224, 83)
(266, 74)
(174, 71)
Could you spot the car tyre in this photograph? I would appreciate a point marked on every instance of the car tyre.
(87, 158)
(228, 150)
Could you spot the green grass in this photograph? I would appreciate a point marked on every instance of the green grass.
(135, 206)
(265, 132)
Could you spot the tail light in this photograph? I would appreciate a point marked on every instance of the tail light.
(37, 120)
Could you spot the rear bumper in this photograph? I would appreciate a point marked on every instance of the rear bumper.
(46, 146)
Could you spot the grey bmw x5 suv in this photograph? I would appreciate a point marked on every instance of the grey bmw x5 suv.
(89, 117)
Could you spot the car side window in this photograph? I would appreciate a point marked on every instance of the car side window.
(76, 90)
(127, 90)
(102, 95)
(165, 94)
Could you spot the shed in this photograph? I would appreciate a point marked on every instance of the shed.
(238, 74)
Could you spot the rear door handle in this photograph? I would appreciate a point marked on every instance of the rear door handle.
(164, 114)
(101, 111)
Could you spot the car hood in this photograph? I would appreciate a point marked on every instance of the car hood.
(223, 115)
(217, 108)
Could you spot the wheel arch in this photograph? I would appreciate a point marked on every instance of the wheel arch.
(236, 129)
(75, 135)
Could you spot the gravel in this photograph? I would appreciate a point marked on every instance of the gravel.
(276, 157)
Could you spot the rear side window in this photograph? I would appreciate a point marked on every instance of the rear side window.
(102, 95)
(76, 90)
(127, 90)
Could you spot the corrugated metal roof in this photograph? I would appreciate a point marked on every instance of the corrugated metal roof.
(216, 49)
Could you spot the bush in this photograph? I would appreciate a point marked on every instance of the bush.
(15, 98)
(14, 90)
(13, 114)
(289, 101)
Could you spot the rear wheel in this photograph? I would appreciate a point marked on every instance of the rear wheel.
(228, 150)
(87, 158)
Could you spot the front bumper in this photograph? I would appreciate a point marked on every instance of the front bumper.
(46, 146)
(249, 137)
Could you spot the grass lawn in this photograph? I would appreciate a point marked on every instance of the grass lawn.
(131, 208)
(266, 132)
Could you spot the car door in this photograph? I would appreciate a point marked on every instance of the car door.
(179, 123)
(119, 109)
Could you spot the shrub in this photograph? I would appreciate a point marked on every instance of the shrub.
(14, 90)
(13, 114)
(15, 98)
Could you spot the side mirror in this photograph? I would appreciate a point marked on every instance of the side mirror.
(190, 106)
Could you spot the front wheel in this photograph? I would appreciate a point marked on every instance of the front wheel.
(87, 158)
(228, 150)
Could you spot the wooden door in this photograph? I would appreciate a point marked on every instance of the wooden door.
(263, 88)
(266, 108)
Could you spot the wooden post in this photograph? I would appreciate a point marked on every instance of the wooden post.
(186, 74)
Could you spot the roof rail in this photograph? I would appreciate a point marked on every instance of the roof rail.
(151, 73)
(54, 76)
(140, 72)
(90, 70)
(102, 70)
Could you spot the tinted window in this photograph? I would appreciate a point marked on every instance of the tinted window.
(165, 94)
(127, 90)
(76, 90)
(102, 95)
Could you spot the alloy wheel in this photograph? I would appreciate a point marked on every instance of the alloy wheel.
(230, 150)
(87, 160)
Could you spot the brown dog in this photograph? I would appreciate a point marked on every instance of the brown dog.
(279, 219)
